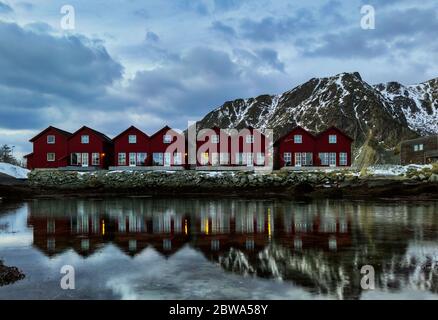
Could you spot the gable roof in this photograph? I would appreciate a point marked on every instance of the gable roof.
(338, 130)
(63, 132)
(99, 134)
(130, 128)
(293, 129)
(165, 128)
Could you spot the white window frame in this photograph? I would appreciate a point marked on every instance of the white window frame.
(260, 158)
(250, 139)
(343, 158)
(94, 156)
(86, 157)
(333, 139)
(215, 139)
(297, 159)
(324, 157)
(249, 157)
(85, 139)
(160, 156)
(51, 159)
(332, 159)
(298, 139)
(287, 158)
(177, 158)
(141, 155)
(215, 159)
(121, 159)
(50, 141)
(420, 147)
(167, 159)
(224, 158)
(132, 159)
(167, 139)
(132, 139)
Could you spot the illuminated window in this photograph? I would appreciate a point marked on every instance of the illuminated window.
(51, 139)
(204, 158)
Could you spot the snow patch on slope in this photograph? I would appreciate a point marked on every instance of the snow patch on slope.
(13, 171)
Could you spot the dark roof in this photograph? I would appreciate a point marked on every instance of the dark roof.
(28, 155)
(63, 132)
(131, 127)
(337, 129)
(100, 134)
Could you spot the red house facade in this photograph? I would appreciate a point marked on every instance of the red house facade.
(131, 149)
(168, 148)
(89, 148)
(300, 148)
(49, 149)
(222, 147)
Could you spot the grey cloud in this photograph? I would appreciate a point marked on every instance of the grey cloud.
(5, 8)
(152, 37)
(222, 28)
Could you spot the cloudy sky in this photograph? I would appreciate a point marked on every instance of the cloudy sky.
(151, 63)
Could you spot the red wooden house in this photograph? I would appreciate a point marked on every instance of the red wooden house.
(49, 149)
(131, 148)
(247, 147)
(296, 148)
(168, 148)
(333, 148)
(213, 147)
(300, 148)
(89, 148)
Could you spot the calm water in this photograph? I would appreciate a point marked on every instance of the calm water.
(144, 248)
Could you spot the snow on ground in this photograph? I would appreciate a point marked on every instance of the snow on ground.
(394, 170)
(14, 171)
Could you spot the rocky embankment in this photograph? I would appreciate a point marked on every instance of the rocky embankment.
(9, 275)
(416, 182)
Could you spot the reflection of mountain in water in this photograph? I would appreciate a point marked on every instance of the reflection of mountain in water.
(320, 246)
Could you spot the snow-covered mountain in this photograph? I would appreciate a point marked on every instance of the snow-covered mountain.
(378, 116)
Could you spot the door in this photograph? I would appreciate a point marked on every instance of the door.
(167, 159)
(85, 159)
(298, 160)
(132, 159)
(215, 159)
(249, 159)
(332, 159)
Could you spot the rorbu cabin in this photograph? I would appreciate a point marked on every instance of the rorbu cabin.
(89, 148)
(131, 149)
(296, 148)
(333, 148)
(248, 147)
(213, 148)
(168, 149)
(49, 149)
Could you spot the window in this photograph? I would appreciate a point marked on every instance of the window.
(298, 138)
(177, 160)
(157, 159)
(85, 139)
(95, 159)
(167, 138)
(224, 158)
(51, 139)
(298, 159)
(287, 157)
(324, 158)
(239, 159)
(122, 159)
(132, 138)
(75, 159)
(332, 139)
(249, 159)
(141, 158)
(132, 159)
(420, 147)
(215, 138)
(167, 157)
(51, 226)
(250, 139)
(204, 158)
(343, 159)
(50, 157)
(260, 160)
